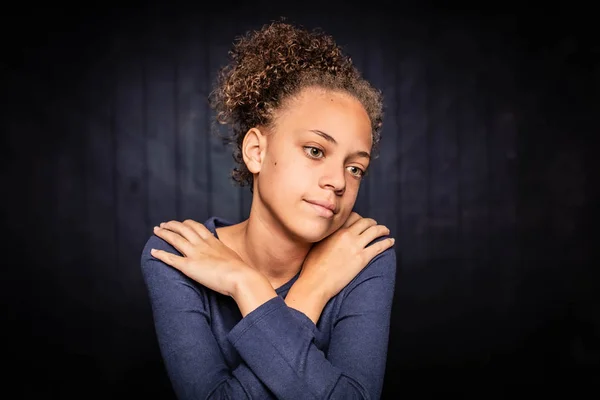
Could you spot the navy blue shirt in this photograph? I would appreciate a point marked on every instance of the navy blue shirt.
(211, 352)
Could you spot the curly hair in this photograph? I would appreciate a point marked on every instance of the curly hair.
(273, 64)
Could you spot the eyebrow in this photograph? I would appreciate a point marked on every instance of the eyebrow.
(329, 138)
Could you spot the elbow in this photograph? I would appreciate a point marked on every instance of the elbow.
(348, 388)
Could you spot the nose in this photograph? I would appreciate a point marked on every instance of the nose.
(334, 179)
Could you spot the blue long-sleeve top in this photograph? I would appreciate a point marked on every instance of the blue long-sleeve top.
(211, 352)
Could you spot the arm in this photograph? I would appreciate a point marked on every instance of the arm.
(274, 340)
(359, 341)
(279, 347)
(192, 357)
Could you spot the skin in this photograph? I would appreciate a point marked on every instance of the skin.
(291, 164)
(317, 149)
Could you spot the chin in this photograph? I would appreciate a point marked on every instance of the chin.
(313, 230)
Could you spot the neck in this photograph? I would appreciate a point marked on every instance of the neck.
(264, 245)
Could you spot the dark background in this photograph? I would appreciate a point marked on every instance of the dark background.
(486, 177)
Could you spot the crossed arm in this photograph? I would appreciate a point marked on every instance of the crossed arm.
(275, 342)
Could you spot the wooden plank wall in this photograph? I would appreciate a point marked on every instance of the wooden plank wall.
(124, 144)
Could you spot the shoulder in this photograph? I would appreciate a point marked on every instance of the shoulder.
(165, 282)
(384, 264)
(372, 290)
(154, 242)
(381, 269)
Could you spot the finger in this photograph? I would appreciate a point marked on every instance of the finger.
(362, 225)
(180, 243)
(199, 228)
(372, 233)
(377, 248)
(352, 218)
(171, 259)
(183, 230)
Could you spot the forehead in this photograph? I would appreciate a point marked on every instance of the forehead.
(339, 114)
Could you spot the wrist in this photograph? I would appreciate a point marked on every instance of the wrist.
(310, 288)
(250, 290)
(307, 298)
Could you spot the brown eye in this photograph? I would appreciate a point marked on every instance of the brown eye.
(313, 152)
(359, 173)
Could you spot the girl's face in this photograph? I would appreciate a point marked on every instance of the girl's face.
(311, 164)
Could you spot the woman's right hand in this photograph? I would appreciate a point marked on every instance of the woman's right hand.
(333, 262)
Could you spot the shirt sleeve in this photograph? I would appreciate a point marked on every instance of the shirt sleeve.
(279, 347)
(190, 352)
(276, 343)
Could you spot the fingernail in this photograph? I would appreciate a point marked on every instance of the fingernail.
(156, 227)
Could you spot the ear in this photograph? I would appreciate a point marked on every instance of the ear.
(254, 146)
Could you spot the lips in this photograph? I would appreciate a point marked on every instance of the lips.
(329, 207)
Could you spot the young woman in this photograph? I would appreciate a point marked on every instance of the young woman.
(294, 302)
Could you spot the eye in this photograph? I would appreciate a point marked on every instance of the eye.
(313, 152)
(357, 172)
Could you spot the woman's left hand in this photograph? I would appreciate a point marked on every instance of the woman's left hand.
(205, 258)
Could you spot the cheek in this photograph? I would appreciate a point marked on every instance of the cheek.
(282, 173)
(287, 169)
(351, 194)
(349, 199)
